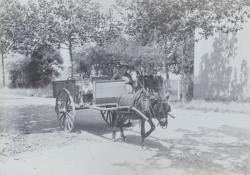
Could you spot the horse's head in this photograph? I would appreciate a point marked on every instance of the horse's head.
(154, 106)
(160, 109)
(162, 113)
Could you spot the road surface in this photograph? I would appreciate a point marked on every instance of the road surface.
(196, 142)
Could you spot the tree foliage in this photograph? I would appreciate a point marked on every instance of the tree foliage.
(38, 27)
(19, 74)
(171, 22)
(44, 65)
(11, 13)
(172, 25)
(110, 28)
(77, 22)
(25, 27)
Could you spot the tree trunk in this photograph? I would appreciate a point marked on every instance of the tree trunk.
(3, 69)
(187, 72)
(71, 59)
(186, 87)
(168, 85)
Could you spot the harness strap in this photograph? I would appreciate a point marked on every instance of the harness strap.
(136, 98)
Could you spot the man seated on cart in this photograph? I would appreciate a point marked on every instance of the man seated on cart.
(122, 74)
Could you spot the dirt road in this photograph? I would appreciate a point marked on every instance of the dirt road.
(195, 142)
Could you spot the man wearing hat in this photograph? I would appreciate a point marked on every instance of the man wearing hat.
(123, 74)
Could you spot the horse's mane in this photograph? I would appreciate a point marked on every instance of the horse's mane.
(150, 82)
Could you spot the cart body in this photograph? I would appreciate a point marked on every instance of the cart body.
(98, 92)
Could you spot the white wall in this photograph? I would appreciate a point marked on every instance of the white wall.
(242, 52)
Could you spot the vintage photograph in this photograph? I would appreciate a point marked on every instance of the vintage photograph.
(125, 87)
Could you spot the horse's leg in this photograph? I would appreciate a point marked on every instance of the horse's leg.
(115, 126)
(121, 125)
(152, 127)
(166, 109)
(142, 130)
(122, 133)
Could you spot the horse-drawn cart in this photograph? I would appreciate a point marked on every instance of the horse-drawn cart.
(116, 103)
(71, 95)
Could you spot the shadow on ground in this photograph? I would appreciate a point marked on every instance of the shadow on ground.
(42, 119)
(28, 119)
(224, 150)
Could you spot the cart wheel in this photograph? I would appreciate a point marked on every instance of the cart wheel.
(65, 110)
(108, 117)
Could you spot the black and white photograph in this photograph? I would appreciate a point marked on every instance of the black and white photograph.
(125, 87)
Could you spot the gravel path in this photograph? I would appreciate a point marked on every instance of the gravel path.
(196, 142)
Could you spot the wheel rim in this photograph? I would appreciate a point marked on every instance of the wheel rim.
(65, 109)
(108, 117)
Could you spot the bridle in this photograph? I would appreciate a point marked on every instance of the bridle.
(144, 95)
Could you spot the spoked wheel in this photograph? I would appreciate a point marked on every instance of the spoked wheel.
(65, 110)
(108, 117)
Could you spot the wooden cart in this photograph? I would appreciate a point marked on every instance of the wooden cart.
(102, 95)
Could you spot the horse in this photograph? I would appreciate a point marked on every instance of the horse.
(145, 105)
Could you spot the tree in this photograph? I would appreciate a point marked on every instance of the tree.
(11, 13)
(110, 28)
(103, 60)
(44, 65)
(38, 27)
(172, 25)
(19, 73)
(77, 20)
(25, 27)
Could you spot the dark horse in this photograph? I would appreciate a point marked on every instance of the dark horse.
(145, 105)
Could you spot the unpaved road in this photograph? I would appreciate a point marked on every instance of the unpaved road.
(195, 142)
